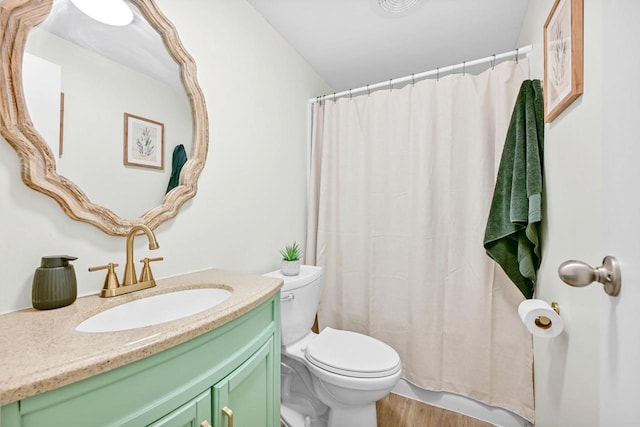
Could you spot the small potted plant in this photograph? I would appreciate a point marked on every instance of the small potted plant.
(291, 255)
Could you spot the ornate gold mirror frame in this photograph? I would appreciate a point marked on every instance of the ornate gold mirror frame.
(38, 166)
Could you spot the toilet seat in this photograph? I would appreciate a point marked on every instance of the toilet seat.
(352, 354)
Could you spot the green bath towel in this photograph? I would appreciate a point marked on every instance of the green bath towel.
(512, 236)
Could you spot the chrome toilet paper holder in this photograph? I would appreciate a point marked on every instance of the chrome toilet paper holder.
(579, 274)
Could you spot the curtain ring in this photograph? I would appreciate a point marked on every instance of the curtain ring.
(368, 91)
(517, 50)
(464, 68)
(438, 74)
(493, 62)
(350, 95)
(413, 80)
(390, 85)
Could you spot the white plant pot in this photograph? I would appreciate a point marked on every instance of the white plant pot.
(290, 268)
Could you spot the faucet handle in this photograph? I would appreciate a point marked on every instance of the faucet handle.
(111, 281)
(146, 275)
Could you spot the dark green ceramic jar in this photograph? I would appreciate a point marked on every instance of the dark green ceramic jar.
(54, 283)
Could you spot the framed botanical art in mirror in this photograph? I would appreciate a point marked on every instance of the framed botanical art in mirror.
(143, 142)
(42, 29)
(563, 57)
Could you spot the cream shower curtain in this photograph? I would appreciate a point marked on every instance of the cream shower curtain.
(400, 189)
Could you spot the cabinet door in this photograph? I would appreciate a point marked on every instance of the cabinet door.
(250, 395)
(194, 413)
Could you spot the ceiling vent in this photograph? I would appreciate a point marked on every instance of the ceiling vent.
(398, 7)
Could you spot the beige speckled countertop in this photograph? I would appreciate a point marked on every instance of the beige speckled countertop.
(41, 350)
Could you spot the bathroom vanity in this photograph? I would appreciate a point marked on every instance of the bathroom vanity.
(213, 368)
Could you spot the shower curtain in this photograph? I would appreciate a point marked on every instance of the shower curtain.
(401, 183)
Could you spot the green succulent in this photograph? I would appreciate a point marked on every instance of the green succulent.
(291, 252)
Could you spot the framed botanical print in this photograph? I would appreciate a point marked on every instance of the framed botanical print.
(143, 142)
(563, 57)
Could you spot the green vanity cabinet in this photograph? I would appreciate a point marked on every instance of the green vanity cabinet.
(191, 414)
(233, 367)
(246, 395)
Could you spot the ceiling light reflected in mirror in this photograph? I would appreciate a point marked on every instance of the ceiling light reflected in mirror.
(110, 12)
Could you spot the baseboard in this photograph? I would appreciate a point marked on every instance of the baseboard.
(461, 404)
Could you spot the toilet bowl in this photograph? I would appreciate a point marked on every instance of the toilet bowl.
(334, 378)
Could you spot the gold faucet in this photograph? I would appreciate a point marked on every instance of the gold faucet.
(111, 286)
(129, 277)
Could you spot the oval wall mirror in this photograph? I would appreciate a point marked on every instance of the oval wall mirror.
(104, 149)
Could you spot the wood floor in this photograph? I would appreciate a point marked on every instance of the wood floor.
(398, 411)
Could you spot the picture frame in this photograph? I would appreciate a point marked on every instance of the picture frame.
(143, 142)
(563, 57)
(61, 133)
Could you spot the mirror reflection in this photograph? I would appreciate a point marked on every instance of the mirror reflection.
(107, 74)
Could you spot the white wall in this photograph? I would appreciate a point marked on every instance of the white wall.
(251, 194)
(567, 367)
(42, 85)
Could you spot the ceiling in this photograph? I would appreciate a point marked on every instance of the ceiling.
(137, 45)
(352, 43)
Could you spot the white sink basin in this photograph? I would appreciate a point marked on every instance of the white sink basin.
(154, 310)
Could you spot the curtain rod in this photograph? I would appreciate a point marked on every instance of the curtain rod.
(442, 70)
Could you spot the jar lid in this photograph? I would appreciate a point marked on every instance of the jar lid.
(56, 261)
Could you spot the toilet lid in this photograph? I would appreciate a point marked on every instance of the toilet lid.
(352, 354)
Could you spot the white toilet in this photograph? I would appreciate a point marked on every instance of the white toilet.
(334, 378)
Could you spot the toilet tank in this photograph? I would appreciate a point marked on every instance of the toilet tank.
(299, 298)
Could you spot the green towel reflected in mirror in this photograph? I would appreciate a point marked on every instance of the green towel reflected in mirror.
(177, 162)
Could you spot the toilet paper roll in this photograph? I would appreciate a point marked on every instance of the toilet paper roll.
(540, 319)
